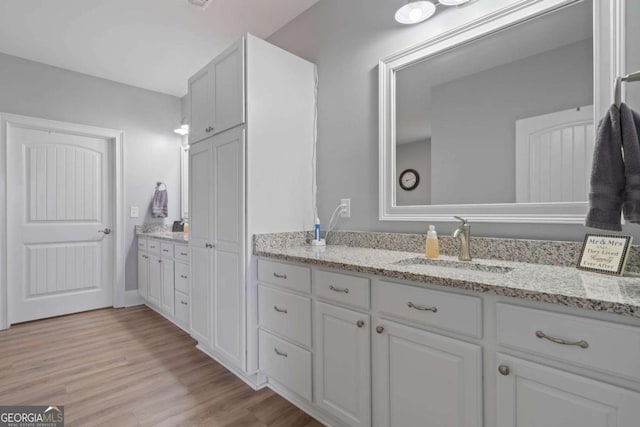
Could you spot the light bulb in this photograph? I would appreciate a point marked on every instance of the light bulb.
(414, 12)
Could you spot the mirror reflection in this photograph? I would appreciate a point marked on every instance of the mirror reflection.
(507, 118)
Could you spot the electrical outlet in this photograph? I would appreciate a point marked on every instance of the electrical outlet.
(346, 208)
(134, 212)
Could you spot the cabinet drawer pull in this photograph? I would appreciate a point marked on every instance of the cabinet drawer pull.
(334, 289)
(582, 343)
(504, 370)
(184, 253)
(182, 276)
(280, 310)
(422, 308)
(279, 276)
(279, 353)
(165, 250)
(360, 323)
(182, 302)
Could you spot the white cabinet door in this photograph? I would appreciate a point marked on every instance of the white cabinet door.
(200, 238)
(343, 363)
(228, 259)
(201, 103)
(533, 395)
(168, 288)
(227, 73)
(155, 280)
(143, 276)
(420, 378)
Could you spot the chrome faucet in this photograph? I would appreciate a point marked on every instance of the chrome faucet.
(463, 233)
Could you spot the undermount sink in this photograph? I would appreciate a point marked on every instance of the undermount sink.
(458, 265)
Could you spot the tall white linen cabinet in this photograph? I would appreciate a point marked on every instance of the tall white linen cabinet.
(250, 171)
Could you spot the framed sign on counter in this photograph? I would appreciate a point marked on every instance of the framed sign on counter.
(605, 254)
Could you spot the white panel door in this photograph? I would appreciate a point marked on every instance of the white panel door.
(201, 103)
(227, 72)
(342, 374)
(60, 198)
(168, 288)
(553, 156)
(228, 266)
(421, 378)
(200, 238)
(533, 395)
(155, 280)
(143, 275)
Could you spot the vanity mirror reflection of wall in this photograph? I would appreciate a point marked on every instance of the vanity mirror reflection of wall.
(506, 118)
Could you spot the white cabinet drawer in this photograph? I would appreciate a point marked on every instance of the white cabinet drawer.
(153, 246)
(166, 249)
(182, 252)
(285, 275)
(443, 310)
(182, 277)
(182, 308)
(604, 346)
(342, 288)
(285, 314)
(142, 244)
(286, 363)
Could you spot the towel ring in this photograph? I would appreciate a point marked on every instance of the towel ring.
(159, 186)
(617, 86)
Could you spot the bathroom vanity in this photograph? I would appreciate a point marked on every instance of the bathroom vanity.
(360, 336)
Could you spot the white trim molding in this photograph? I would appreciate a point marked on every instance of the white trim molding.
(116, 137)
(608, 30)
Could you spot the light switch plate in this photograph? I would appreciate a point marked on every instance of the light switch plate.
(134, 212)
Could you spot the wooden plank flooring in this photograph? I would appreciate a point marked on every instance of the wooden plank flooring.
(130, 367)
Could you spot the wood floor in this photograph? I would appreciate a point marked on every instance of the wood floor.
(129, 367)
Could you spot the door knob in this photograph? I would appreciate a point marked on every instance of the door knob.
(105, 231)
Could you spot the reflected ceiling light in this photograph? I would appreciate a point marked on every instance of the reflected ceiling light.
(414, 12)
(417, 11)
(452, 2)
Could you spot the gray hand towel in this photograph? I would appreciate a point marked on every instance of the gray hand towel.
(607, 175)
(630, 125)
(159, 207)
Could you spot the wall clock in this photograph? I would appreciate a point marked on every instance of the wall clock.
(409, 179)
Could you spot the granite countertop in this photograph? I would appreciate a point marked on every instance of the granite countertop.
(166, 235)
(546, 283)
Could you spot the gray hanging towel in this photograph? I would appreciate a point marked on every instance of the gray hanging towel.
(607, 175)
(630, 125)
(159, 207)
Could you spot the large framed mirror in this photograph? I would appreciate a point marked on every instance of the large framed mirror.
(493, 121)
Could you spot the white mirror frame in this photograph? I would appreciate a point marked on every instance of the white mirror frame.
(608, 36)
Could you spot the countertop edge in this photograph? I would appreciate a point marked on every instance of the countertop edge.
(619, 308)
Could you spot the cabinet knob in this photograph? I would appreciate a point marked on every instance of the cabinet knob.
(182, 302)
(183, 276)
(160, 261)
(360, 323)
(504, 370)
(380, 329)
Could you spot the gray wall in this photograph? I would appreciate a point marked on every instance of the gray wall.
(361, 33)
(414, 155)
(151, 149)
(473, 123)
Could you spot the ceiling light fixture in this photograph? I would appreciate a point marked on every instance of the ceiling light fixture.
(183, 129)
(417, 11)
(202, 4)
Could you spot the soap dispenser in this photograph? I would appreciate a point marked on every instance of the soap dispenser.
(431, 247)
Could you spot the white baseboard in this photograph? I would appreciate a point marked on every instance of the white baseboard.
(132, 297)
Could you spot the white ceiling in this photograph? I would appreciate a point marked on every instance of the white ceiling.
(153, 44)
